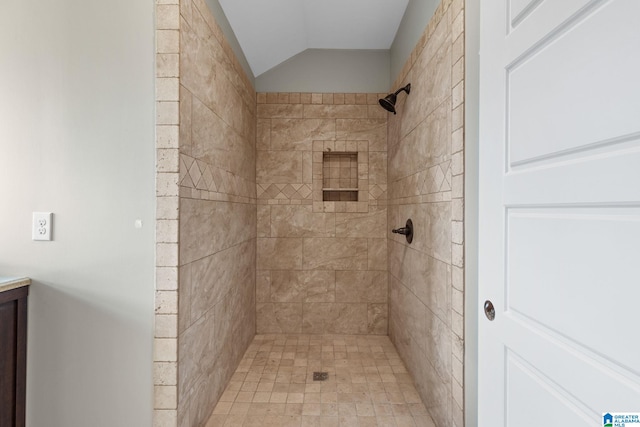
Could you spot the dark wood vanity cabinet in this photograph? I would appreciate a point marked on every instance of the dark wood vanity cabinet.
(13, 356)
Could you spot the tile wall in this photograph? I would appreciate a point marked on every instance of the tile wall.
(205, 304)
(426, 142)
(165, 355)
(321, 265)
(216, 320)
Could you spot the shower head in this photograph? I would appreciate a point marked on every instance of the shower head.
(389, 101)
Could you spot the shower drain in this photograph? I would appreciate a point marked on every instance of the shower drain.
(320, 376)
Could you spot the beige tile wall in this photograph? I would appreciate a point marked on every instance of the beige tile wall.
(206, 220)
(426, 141)
(322, 266)
(217, 231)
(165, 357)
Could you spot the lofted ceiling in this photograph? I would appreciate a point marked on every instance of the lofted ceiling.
(272, 31)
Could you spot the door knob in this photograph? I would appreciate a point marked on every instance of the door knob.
(489, 310)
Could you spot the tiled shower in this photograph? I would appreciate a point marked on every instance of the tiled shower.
(253, 237)
(321, 264)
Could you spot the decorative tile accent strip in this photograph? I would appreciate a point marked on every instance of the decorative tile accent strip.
(319, 98)
(295, 194)
(197, 174)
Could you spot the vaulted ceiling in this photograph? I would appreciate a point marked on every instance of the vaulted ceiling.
(272, 31)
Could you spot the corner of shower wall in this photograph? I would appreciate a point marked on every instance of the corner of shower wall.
(206, 213)
(426, 182)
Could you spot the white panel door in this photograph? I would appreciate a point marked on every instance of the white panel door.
(559, 243)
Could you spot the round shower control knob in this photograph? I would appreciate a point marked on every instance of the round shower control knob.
(407, 230)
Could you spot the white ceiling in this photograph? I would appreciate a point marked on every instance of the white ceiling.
(272, 31)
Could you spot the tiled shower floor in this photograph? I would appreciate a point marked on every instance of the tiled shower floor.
(368, 385)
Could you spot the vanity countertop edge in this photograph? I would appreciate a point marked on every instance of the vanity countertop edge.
(9, 283)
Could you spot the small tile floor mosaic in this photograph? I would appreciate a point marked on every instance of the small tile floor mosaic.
(273, 386)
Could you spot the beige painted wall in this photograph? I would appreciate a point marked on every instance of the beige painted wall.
(321, 265)
(76, 139)
(426, 165)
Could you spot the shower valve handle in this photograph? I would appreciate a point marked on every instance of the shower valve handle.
(407, 231)
(404, 231)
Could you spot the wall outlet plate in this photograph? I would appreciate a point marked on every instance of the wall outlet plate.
(42, 226)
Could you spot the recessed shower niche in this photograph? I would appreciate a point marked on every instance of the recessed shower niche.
(340, 176)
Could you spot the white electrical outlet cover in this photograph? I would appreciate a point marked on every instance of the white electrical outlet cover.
(41, 226)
